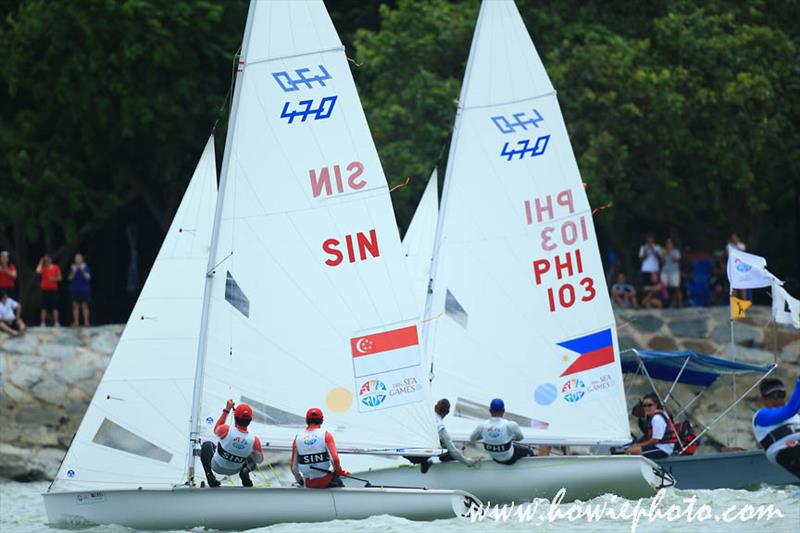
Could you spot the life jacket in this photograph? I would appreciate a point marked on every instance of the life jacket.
(777, 437)
(232, 451)
(497, 439)
(312, 450)
(686, 434)
(670, 435)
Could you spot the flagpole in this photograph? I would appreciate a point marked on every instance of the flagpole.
(736, 406)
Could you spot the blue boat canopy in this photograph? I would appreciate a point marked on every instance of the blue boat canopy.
(700, 369)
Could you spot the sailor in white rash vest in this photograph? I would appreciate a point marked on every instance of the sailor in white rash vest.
(498, 436)
(442, 409)
(237, 451)
(776, 426)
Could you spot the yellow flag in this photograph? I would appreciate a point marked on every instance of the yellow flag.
(739, 306)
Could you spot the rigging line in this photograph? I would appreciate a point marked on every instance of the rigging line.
(214, 269)
(353, 61)
(400, 185)
(602, 207)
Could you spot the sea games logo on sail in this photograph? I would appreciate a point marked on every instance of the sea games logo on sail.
(573, 390)
(372, 393)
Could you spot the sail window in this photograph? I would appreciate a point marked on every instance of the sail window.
(266, 414)
(235, 296)
(117, 437)
(454, 310)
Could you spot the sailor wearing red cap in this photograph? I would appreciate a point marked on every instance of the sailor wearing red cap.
(315, 461)
(237, 451)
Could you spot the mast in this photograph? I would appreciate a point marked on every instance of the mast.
(202, 345)
(448, 180)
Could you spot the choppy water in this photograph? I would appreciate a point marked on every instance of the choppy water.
(22, 511)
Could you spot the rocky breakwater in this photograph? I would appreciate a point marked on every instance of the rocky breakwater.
(47, 378)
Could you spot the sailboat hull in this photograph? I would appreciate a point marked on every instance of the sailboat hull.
(583, 477)
(245, 508)
(726, 470)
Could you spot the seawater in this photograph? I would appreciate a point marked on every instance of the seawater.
(22, 511)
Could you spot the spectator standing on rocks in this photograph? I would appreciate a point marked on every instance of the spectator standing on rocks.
(80, 278)
(671, 272)
(10, 311)
(8, 275)
(51, 277)
(623, 293)
(650, 254)
(656, 294)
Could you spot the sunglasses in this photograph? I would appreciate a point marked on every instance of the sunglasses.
(648, 405)
(777, 395)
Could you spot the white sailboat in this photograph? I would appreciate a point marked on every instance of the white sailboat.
(419, 240)
(287, 291)
(519, 306)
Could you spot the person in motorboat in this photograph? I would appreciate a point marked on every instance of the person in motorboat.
(237, 451)
(442, 409)
(776, 426)
(500, 436)
(660, 434)
(315, 461)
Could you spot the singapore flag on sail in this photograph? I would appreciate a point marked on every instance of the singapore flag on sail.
(385, 351)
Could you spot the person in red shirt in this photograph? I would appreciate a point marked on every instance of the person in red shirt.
(8, 275)
(237, 451)
(315, 461)
(51, 277)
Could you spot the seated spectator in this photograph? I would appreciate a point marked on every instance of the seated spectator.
(656, 295)
(8, 275)
(671, 272)
(623, 293)
(10, 312)
(80, 290)
(51, 277)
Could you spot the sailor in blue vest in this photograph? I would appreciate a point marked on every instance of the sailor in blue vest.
(776, 426)
(499, 436)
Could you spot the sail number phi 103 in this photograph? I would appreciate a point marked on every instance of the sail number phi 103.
(564, 295)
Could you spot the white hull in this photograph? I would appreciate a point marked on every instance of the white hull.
(583, 477)
(245, 508)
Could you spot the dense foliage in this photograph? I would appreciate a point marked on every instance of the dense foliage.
(682, 113)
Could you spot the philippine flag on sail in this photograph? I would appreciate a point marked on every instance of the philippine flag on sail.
(595, 349)
(385, 351)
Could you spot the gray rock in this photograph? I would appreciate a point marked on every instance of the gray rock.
(69, 339)
(791, 352)
(647, 323)
(753, 356)
(626, 342)
(76, 407)
(49, 390)
(49, 416)
(74, 373)
(27, 464)
(12, 395)
(105, 343)
(25, 376)
(689, 327)
(57, 351)
(701, 346)
(743, 334)
(22, 344)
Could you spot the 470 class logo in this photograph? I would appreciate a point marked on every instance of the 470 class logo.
(372, 393)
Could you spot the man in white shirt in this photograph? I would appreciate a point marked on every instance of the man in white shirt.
(500, 436)
(10, 321)
(650, 254)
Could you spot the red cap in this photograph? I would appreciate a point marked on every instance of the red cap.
(243, 411)
(314, 412)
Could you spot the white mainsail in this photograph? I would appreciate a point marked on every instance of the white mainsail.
(419, 238)
(517, 275)
(310, 304)
(134, 432)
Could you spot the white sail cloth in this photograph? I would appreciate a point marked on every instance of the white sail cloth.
(785, 308)
(517, 276)
(135, 432)
(419, 239)
(310, 302)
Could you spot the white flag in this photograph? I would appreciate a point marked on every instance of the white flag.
(785, 308)
(748, 271)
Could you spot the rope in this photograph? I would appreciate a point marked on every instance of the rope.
(353, 61)
(606, 206)
(408, 180)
